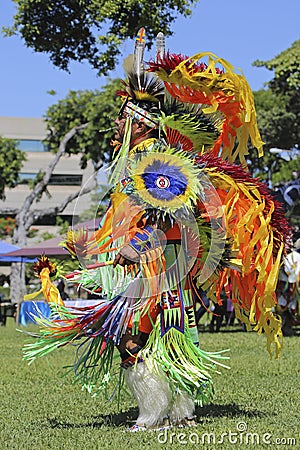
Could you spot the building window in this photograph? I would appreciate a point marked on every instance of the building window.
(25, 177)
(56, 179)
(66, 180)
(31, 145)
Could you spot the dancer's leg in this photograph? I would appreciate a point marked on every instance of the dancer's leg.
(152, 392)
(182, 409)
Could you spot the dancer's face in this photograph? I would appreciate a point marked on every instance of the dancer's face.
(137, 129)
(120, 128)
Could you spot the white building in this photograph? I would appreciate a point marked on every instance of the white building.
(67, 177)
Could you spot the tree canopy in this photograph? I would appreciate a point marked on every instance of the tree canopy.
(11, 159)
(280, 103)
(93, 30)
(77, 124)
(97, 109)
(286, 67)
(278, 114)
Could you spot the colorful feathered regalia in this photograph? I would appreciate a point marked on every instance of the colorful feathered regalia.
(184, 214)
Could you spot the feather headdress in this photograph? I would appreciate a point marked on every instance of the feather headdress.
(214, 89)
(146, 100)
(143, 92)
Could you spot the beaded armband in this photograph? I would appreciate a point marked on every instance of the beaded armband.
(145, 240)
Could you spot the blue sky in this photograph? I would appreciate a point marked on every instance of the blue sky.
(238, 30)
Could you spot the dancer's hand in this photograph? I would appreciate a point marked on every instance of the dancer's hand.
(126, 257)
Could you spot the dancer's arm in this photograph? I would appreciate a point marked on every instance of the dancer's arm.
(130, 253)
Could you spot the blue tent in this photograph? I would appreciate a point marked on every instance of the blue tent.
(6, 248)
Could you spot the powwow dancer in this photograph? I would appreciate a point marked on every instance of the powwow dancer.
(183, 215)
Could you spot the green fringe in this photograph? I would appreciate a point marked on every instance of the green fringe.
(45, 342)
(120, 159)
(92, 366)
(187, 366)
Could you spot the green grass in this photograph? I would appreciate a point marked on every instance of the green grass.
(40, 409)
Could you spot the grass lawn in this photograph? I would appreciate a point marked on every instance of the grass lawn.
(256, 402)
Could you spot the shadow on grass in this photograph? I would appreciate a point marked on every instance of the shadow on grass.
(230, 410)
(115, 420)
(127, 418)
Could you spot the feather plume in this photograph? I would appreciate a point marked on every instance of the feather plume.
(190, 121)
(139, 49)
(160, 46)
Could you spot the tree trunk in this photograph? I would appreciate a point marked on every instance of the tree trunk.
(17, 276)
(17, 285)
(25, 217)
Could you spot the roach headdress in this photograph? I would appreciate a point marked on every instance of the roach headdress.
(198, 106)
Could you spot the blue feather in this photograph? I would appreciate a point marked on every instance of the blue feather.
(170, 175)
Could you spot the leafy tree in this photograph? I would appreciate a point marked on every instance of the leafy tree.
(7, 225)
(278, 114)
(93, 30)
(79, 124)
(97, 109)
(11, 160)
(82, 123)
(286, 68)
(98, 204)
(63, 228)
(281, 102)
